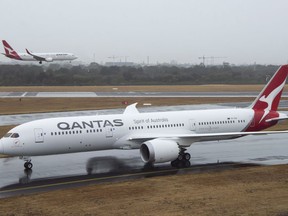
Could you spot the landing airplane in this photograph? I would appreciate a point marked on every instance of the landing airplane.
(40, 57)
(160, 136)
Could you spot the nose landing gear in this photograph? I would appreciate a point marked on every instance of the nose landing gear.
(27, 165)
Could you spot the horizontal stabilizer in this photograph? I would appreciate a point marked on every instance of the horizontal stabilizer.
(281, 116)
(277, 119)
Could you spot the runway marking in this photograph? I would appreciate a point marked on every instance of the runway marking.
(108, 177)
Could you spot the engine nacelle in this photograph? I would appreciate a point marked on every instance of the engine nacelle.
(49, 59)
(159, 151)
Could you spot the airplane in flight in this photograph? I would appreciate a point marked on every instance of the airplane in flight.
(40, 57)
(160, 136)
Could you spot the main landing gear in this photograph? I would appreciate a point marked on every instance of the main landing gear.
(183, 160)
(27, 165)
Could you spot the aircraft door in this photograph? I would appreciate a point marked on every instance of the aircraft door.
(39, 136)
(192, 124)
(252, 124)
(109, 132)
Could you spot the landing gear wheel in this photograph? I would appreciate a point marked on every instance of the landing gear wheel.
(183, 160)
(180, 164)
(180, 157)
(187, 164)
(187, 156)
(175, 163)
(28, 165)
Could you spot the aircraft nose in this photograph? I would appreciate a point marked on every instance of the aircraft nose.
(1, 147)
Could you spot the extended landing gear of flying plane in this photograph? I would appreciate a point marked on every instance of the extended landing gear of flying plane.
(183, 160)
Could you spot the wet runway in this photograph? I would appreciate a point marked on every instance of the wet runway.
(130, 94)
(62, 171)
(28, 186)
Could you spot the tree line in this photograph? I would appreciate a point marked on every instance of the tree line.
(94, 74)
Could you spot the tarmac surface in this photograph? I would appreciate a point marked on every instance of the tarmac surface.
(70, 170)
(130, 94)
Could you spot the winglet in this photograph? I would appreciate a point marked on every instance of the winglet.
(131, 109)
(29, 52)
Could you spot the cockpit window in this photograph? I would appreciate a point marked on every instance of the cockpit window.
(7, 135)
(15, 135)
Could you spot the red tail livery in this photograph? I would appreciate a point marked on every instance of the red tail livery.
(266, 104)
(9, 51)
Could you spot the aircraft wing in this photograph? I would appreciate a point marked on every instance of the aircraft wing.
(38, 58)
(196, 137)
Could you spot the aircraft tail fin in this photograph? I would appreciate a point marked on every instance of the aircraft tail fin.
(266, 104)
(269, 97)
(9, 51)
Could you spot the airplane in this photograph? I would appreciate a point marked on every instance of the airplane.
(40, 57)
(160, 136)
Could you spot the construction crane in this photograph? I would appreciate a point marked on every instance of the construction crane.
(113, 58)
(118, 57)
(209, 57)
(125, 57)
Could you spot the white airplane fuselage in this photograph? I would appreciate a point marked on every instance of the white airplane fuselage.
(40, 57)
(48, 56)
(102, 132)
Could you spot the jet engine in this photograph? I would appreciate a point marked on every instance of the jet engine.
(49, 59)
(159, 151)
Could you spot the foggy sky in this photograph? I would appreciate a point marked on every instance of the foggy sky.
(244, 31)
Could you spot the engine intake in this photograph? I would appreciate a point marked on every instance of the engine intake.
(49, 59)
(159, 151)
